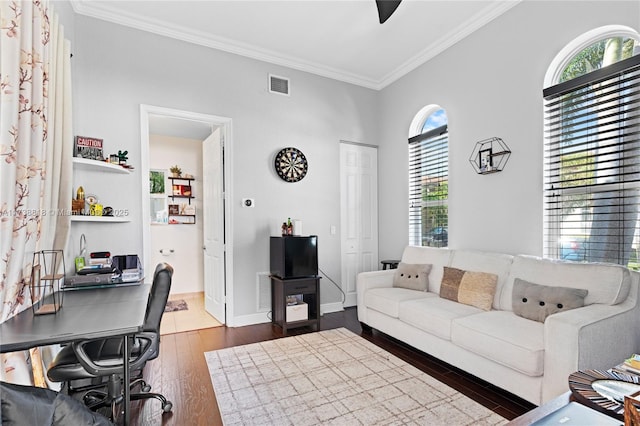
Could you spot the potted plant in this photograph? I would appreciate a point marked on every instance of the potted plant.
(175, 171)
(122, 157)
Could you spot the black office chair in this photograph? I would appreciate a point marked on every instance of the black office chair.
(30, 405)
(87, 365)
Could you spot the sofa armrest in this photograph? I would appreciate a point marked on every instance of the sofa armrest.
(369, 280)
(593, 337)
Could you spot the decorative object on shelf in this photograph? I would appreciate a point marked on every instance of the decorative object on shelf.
(114, 159)
(45, 286)
(181, 190)
(91, 148)
(77, 204)
(489, 156)
(291, 164)
(187, 209)
(96, 209)
(122, 157)
(176, 171)
(93, 207)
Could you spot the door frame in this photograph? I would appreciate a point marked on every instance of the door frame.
(224, 123)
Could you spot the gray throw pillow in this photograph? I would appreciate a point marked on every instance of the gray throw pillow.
(536, 302)
(412, 276)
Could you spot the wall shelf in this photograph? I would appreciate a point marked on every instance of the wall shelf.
(94, 165)
(105, 219)
(489, 156)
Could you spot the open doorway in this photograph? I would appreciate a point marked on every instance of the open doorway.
(200, 138)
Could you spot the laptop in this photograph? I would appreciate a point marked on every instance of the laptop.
(579, 415)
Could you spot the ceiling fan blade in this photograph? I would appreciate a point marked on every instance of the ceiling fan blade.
(386, 8)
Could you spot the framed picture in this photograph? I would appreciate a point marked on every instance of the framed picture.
(485, 160)
(157, 182)
(90, 148)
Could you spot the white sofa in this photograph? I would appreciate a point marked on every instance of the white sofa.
(528, 358)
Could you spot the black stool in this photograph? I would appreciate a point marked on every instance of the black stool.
(392, 264)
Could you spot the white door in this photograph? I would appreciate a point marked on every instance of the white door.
(358, 214)
(213, 226)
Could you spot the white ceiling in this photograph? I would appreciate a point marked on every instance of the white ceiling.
(339, 39)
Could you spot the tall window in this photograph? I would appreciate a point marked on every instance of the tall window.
(429, 179)
(592, 155)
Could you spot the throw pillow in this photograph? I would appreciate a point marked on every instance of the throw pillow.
(468, 287)
(414, 276)
(536, 302)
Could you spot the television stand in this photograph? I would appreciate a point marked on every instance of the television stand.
(308, 291)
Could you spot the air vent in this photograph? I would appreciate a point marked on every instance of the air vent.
(279, 85)
(264, 291)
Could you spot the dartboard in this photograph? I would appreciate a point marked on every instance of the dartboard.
(291, 164)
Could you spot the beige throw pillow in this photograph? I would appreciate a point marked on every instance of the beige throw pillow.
(468, 287)
(412, 276)
(536, 302)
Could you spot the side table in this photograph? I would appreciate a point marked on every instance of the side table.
(308, 288)
(392, 264)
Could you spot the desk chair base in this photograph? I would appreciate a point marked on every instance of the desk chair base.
(96, 399)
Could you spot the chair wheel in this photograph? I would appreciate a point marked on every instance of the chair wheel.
(167, 406)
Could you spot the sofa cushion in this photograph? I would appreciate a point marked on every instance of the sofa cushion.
(434, 314)
(503, 337)
(437, 257)
(607, 283)
(414, 276)
(388, 299)
(536, 302)
(468, 287)
(494, 263)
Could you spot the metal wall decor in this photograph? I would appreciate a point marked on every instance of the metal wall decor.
(489, 156)
(291, 164)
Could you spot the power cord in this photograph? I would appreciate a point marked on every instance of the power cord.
(344, 296)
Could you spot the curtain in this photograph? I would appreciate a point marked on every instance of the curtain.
(35, 149)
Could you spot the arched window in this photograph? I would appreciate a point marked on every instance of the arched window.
(429, 178)
(592, 149)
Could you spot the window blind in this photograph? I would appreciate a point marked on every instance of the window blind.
(592, 166)
(428, 188)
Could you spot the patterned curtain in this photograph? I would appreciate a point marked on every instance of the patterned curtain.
(35, 148)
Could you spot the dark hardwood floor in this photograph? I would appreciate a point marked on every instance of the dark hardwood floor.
(180, 372)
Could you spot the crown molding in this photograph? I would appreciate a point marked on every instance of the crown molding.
(106, 13)
(463, 30)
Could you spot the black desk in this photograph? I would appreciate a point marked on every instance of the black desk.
(88, 314)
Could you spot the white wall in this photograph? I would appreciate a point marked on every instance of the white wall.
(118, 68)
(490, 85)
(182, 244)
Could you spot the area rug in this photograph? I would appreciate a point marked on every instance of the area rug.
(176, 305)
(332, 377)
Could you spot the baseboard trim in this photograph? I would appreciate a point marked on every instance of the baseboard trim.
(264, 317)
(327, 308)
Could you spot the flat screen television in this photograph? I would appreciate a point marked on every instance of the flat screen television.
(294, 256)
